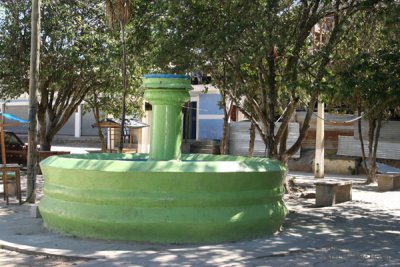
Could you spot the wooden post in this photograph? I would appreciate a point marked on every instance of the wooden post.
(3, 157)
(78, 122)
(33, 85)
(131, 136)
(319, 171)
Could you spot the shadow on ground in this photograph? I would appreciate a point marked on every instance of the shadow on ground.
(356, 233)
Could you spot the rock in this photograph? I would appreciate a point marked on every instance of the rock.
(307, 195)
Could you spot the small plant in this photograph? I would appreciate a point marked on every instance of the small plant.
(352, 170)
(292, 181)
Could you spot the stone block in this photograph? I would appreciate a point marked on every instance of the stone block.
(35, 212)
(344, 193)
(387, 182)
(329, 193)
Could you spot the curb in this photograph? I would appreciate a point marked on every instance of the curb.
(34, 251)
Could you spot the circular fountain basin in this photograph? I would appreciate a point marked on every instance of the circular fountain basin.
(201, 198)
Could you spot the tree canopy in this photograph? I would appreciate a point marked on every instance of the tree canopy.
(366, 72)
(79, 55)
(269, 57)
(73, 34)
(264, 54)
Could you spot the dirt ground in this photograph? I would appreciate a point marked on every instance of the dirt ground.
(362, 232)
(12, 258)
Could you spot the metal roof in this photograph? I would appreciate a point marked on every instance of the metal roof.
(115, 123)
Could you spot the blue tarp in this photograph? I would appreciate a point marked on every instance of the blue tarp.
(13, 117)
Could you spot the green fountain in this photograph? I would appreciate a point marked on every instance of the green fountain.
(163, 197)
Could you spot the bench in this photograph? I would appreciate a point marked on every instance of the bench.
(329, 192)
(387, 182)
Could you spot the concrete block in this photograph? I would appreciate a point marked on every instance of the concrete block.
(35, 212)
(344, 193)
(328, 193)
(387, 182)
(396, 182)
(325, 195)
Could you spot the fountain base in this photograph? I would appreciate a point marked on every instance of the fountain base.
(202, 198)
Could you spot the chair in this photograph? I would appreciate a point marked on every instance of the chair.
(5, 169)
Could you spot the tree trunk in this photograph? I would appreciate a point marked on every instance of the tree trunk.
(304, 128)
(377, 135)
(272, 102)
(96, 114)
(227, 113)
(371, 138)
(222, 147)
(33, 85)
(363, 157)
(44, 140)
(187, 120)
(42, 121)
(125, 77)
(45, 143)
(286, 185)
(374, 133)
(283, 141)
(252, 139)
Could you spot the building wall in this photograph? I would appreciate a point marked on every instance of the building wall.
(21, 112)
(210, 117)
(20, 109)
(86, 125)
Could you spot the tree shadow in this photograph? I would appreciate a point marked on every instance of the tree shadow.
(354, 233)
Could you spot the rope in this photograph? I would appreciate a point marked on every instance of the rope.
(348, 121)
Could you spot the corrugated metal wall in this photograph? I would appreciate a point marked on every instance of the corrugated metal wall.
(388, 145)
(335, 125)
(239, 138)
(390, 130)
(349, 146)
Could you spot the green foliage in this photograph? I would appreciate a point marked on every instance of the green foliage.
(79, 54)
(366, 70)
(262, 54)
(73, 35)
(367, 65)
(14, 49)
(109, 92)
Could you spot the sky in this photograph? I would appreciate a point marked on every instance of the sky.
(1, 12)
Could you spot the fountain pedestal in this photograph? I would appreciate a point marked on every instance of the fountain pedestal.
(167, 94)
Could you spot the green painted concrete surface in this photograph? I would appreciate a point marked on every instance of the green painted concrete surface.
(158, 82)
(202, 198)
(167, 96)
(164, 196)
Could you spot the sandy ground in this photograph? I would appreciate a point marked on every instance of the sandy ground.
(362, 232)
